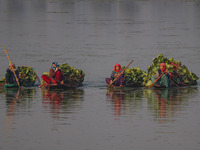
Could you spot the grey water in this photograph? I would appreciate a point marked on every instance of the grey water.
(94, 35)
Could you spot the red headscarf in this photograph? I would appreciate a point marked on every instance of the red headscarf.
(163, 66)
(118, 66)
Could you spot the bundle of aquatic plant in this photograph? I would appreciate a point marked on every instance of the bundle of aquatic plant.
(2, 81)
(73, 76)
(27, 75)
(135, 77)
(179, 75)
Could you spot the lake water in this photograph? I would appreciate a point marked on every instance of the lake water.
(94, 35)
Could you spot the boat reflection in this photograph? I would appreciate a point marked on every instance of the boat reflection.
(163, 104)
(20, 98)
(59, 102)
(125, 101)
(12, 97)
(117, 98)
(166, 104)
(17, 102)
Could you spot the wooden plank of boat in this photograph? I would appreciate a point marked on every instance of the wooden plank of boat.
(115, 86)
(15, 85)
(57, 86)
(28, 84)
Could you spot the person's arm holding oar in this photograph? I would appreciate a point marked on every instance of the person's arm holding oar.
(119, 75)
(12, 67)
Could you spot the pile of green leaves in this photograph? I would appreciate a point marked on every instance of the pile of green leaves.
(179, 75)
(2, 81)
(134, 77)
(73, 76)
(27, 75)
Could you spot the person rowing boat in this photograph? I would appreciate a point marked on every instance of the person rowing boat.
(120, 81)
(162, 81)
(10, 77)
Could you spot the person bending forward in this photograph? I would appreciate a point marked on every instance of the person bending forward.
(56, 75)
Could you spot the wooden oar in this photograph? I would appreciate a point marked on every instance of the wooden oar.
(12, 67)
(63, 83)
(159, 76)
(119, 74)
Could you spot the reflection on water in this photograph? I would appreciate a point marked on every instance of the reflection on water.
(18, 98)
(59, 102)
(164, 103)
(117, 98)
(18, 103)
(12, 97)
(124, 100)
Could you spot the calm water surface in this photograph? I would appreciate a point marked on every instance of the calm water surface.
(93, 35)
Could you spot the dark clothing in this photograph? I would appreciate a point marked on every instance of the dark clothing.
(10, 77)
(119, 81)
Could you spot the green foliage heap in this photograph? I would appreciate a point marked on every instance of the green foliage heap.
(179, 75)
(27, 75)
(134, 77)
(73, 76)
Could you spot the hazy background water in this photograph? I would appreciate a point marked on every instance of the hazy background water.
(93, 35)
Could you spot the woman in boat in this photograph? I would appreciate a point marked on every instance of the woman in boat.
(117, 70)
(10, 77)
(164, 80)
(56, 75)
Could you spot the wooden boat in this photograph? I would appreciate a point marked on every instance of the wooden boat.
(115, 86)
(28, 84)
(58, 86)
(15, 85)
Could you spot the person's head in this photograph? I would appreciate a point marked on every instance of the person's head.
(55, 65)
(12, 66)
(162, 66)
(117, 67)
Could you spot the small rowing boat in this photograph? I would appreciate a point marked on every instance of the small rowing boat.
(57, 86)
(115, 86)
(15, 85)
